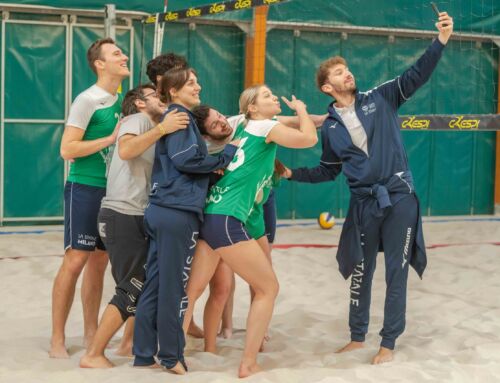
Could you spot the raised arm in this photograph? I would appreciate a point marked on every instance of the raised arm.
(400, 89)
(293, 121)
(304, 137)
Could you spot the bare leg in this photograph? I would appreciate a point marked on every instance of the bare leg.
(351, 346)
(93, 278)
(227, 315)
(110, 323)
(384, 355)
(266, 248)
(125, 347)
(205, 261)
(249, 261)
(194, 330)
(63, 293)
(220, 288)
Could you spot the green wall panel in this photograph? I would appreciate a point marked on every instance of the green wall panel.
(419, 150)
(368, 58)
(483, 182)
(143, 39)
(83, 37)
(217, 55)
(176, 39)
(33, 171)
(34, 71)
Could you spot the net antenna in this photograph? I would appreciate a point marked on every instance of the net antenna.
(159, 28)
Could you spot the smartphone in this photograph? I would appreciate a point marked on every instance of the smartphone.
(435, 8)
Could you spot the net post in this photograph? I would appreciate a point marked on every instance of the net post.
(255, 48)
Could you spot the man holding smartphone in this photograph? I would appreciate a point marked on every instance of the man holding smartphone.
(362, 138)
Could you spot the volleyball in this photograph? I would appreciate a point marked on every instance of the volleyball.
(326, 220)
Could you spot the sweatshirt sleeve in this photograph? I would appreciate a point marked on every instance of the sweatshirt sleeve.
(329, 166)
(398, 90)
(185, 153)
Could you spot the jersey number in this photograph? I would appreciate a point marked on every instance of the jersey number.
(239, 157)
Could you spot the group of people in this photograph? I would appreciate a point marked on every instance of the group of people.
(185, 200)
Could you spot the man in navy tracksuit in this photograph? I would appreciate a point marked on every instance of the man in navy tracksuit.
(361, 137)
(179, 187)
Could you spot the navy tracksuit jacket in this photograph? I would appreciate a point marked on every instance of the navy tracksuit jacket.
(179, 188)
(383, 212)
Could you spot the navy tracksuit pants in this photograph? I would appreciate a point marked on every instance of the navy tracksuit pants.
(396, 229)
(160, 312)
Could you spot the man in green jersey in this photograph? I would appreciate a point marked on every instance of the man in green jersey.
(90, 130)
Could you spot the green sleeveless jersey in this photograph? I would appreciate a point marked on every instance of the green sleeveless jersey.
(248, 179)
(97, 112)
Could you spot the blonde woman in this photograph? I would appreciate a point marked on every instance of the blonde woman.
(242, 190)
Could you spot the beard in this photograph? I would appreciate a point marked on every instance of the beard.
(220, 136)
(346, 88)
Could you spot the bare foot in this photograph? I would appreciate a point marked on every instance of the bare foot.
(99, 361)
(226, 333)
(58, 351)
(384, 355)
(124, 350)
(178, 369)
(248, 369)
(194, 330)
(153, 366)
(351, 346)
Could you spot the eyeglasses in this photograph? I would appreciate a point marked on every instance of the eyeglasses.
(149, 94)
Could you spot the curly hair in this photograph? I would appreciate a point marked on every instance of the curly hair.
(163, 63)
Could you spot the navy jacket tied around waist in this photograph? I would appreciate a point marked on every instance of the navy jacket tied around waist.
(376, 199)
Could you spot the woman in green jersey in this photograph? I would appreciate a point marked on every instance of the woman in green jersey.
(242, 190)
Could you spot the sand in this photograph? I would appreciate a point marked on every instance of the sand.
(452, 332)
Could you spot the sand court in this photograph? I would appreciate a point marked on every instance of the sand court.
(453, 315)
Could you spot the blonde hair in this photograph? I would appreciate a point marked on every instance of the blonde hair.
(249, 97)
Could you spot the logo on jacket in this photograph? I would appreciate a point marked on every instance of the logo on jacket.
(369, 109)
